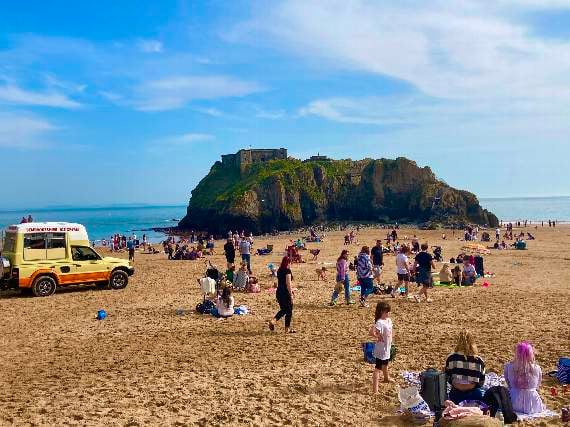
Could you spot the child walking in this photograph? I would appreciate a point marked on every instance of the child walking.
(382, 331)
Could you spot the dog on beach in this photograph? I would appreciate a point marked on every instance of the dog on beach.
(321, 273)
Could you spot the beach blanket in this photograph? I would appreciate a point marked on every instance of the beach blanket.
(439, 284)
(491, 380)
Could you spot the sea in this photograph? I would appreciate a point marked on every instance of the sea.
(102, 222)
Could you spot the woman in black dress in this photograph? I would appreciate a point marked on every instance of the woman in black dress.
(284, 296)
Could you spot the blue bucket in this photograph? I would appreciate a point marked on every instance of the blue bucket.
(368, 350)
(101, 314)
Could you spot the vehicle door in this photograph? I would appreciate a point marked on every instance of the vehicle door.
(87, 266)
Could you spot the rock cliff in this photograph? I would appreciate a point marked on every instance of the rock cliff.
(291, 193)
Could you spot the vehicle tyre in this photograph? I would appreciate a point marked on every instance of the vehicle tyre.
(44, 286)
(118, 279)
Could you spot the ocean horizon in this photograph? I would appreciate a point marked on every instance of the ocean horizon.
(102, 221)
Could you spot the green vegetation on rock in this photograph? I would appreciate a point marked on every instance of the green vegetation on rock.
(290, 193)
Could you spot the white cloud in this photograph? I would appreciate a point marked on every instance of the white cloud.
(469, 49)
(182, 140)
(150, 46)
(24, 131)
(12, 94)
(270, 114)
(175, 92)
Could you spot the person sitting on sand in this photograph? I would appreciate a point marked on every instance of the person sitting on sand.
(225, 304)
(456, 274)
(241, 277)
(445, 275)
(523, 376)
(230, 273)
(465, 370)
(469, 273)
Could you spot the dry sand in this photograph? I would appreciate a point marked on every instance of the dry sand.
(145, 364)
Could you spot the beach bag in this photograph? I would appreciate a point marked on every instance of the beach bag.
(498, 398)
(411, 400)
(368, 350)
(205, 307)
(563, 373)
(434, 389)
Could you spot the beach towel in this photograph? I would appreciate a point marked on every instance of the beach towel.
(439, 284)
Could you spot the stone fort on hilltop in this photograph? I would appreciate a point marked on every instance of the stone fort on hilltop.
(247, 157)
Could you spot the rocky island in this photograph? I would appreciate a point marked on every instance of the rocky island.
(264, 190)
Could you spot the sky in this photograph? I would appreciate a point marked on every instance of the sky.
(106, 102)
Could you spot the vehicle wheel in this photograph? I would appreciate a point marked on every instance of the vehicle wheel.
(44, 286)
(118, 279)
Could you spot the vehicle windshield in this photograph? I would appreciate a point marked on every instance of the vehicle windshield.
(84, 253)
(9, 242)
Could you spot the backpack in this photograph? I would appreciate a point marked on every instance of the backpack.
(498, 397)
(205, 307)
(434, 389)
(563, 373)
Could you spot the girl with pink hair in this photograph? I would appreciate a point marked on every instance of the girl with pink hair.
(523, 377)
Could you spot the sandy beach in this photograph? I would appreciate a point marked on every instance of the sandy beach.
(147, 365)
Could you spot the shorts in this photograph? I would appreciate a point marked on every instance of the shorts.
(377, 270)
(381, 362)
(424, 277)
(404, 277)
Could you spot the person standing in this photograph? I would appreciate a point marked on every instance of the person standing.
(30, 219)
(364, 275)
(131, 248)
(424, 264)
(245, 251)
(230, 252)
(377, 260)
(382, 331)
(342, 279)
(402, 270)
(284, 296)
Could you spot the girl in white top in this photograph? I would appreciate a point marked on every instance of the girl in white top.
(382, 331)
(225, 304)
(402, 269)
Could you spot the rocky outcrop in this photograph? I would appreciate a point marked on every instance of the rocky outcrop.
(283, 194)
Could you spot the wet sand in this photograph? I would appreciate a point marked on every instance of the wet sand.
(147, 365)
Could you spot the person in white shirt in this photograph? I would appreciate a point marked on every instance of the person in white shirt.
(382, 331)
(225, 304)
(469, 274)
(402, 269)
(245, 251)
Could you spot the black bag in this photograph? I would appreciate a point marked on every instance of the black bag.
(205, 307)
(434, 389)
(479, 266)
(498, 397)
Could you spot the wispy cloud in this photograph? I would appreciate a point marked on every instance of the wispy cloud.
(469, 50)
(24, 131)
(150, 46)
(270, 114)
(12, 94)
(179, 141)
(175, 92)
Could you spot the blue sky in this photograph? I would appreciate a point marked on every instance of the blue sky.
(132, 101)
